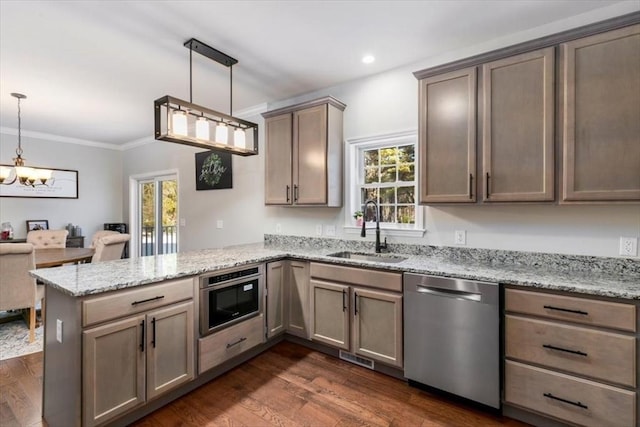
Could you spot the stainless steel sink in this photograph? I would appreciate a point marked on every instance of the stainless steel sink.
(368, 256)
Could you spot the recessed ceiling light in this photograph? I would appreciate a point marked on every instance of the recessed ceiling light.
(368, 59)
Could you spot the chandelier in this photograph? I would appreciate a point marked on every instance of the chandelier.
(186, 123)
(30, 176)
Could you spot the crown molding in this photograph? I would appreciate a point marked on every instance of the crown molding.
(256, 110)
(411, 133)
(59, 138)
(137, 143)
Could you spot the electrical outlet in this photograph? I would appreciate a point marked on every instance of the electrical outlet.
(278, 228)
(330, 230)
(319, 230)
(628, 246)
(219, 224)
(183, 222)
(59, 330)
(460, 237)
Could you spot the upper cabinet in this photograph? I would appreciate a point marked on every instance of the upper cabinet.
(448, 137)
(596, 110)
(303, 165)
(601, 117)
(517, 128)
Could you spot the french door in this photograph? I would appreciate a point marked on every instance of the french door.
(157, 215)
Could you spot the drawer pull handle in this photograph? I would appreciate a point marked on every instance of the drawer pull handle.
(147, 300)
(578, 404)
(568, 310)
(237, 342)
(553, 347)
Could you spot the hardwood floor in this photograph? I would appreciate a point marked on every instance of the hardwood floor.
(289, 385)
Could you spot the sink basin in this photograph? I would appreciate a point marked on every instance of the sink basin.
(368, 256)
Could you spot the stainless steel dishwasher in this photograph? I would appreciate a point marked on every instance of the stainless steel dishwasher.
(452, 336)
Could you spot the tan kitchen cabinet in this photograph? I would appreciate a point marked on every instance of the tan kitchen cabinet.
(571, 358)
(275, 297)
(133, 359)
(288, 298)
(447, 138)
(303, 160)
(358, 310)
(601, 117)
(518, 128)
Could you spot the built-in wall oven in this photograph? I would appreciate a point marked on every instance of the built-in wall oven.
(230, 296)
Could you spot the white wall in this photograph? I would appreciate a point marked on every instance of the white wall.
(99, 185)
(376, 105)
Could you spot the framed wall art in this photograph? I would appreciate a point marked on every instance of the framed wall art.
(63, 184)
(37, 224)
(213, 170)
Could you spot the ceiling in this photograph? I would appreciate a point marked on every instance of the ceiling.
(91, 69)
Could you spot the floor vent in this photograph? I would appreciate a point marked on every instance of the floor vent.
(367, 363)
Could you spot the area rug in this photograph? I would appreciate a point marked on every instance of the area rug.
(14, 339)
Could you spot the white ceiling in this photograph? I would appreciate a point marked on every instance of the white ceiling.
(91, 69)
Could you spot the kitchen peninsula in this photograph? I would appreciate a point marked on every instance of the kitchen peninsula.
(87, 302)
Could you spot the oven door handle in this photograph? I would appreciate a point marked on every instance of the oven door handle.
(449, 293)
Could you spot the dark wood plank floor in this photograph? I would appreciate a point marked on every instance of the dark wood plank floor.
(289, 385)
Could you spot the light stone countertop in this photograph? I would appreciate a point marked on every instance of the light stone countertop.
(546, 271)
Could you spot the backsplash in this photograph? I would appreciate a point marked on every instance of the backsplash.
(550, 261)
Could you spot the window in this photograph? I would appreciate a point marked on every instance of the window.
(383, 169)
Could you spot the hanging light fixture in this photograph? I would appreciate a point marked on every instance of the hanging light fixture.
(186, 123)
(31, 176)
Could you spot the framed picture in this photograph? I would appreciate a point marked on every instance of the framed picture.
(63, 184)
(37, 224)
(213, 170)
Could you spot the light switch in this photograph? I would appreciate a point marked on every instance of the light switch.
(219, 224)
(59, 330)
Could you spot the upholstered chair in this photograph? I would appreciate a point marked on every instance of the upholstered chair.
(110, 247)
(100, 234)
(47, 239)
(18, 290)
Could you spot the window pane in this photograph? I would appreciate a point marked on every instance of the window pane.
(388, 196)
(370, 175)
(388, 214)
(371, 158)
(406, 173)
(369, 194)
(406, 154)
(388, 156)
(406, 215)
(388, 174)
(406, 195)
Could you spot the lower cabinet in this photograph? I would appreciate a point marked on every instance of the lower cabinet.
(127, 362)
(287, 298)
(366, 321)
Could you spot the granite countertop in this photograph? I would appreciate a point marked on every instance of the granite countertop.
(609, 277)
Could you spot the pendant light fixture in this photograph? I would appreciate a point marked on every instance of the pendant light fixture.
(30, 176)
(186, 123)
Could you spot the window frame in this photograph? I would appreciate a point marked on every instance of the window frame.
(354, 148)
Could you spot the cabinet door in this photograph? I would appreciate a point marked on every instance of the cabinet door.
(310, 155)
(377, 326)
(278, 160)
(447, 137)
(276, 280)
(170, 341)
(113, 375)
(601, 116)
(517, 128)
(298, 299)
(330, 313)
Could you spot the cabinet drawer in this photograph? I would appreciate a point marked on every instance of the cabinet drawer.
(358, 276)
(124, 303)
(580, 310)
(230, 342)
(603, 355)
(592, 404)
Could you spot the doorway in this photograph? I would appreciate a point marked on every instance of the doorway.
(155, 214)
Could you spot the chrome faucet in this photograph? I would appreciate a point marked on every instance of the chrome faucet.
(379, 246)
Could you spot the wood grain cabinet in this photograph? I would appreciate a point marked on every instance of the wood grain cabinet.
(303, 160)
(601, 117)
(358, 310)
(288, 298)
(134, 359)
(571, 358)
(518, 128)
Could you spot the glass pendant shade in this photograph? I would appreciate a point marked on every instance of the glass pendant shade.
(43, 175)
(179, 123)
(202, 128)
(4, 173)
(222, 133)
(239, 138)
